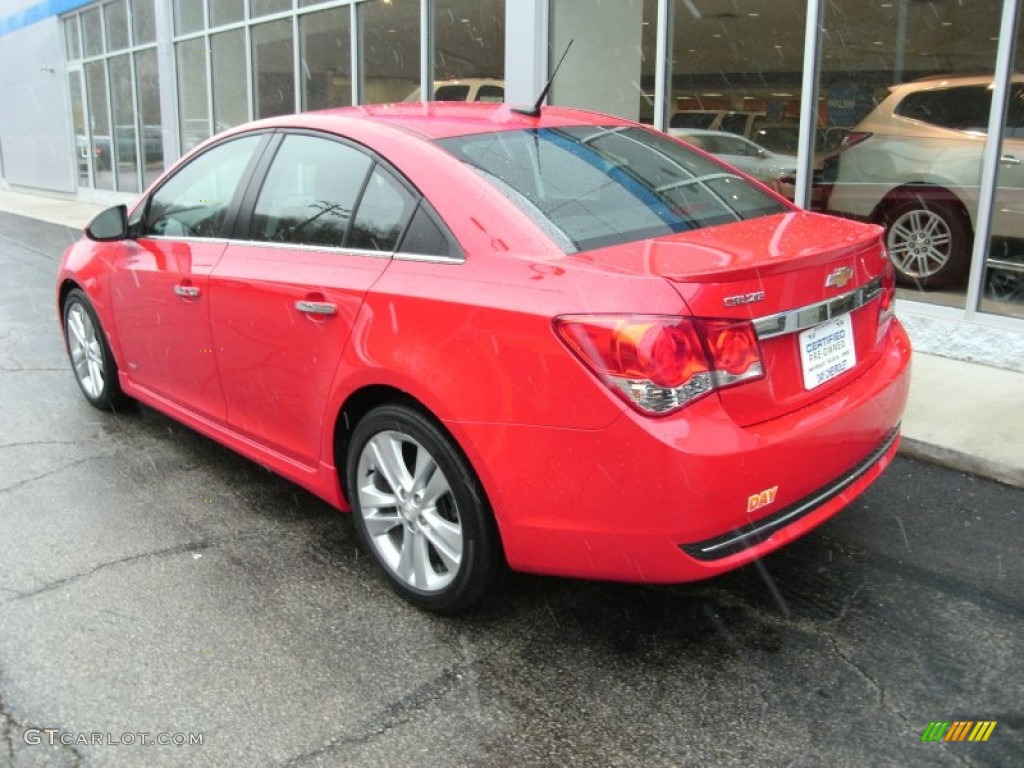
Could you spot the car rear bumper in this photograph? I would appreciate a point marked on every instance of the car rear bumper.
(689, 496)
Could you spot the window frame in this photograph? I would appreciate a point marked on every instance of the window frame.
(247, 204)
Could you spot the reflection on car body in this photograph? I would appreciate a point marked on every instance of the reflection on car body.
(502, 340)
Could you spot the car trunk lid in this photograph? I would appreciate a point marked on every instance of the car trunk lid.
(809, 283)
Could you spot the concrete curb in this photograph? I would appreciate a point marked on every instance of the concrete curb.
(962, 462)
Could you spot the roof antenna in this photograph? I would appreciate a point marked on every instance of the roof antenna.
(535, 112)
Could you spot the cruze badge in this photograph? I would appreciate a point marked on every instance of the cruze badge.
(744, 298)
(839, 277)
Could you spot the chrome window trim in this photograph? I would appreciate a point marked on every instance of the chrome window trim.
(312, 247)
(427, 258)
(808, 316)
(418, 257)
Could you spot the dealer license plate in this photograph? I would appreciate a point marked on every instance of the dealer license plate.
(826, 351)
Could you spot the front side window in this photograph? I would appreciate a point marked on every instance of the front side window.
(591, 186)
(310, 192)
(195, 201)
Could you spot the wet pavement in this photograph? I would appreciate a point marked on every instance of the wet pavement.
(152, 582)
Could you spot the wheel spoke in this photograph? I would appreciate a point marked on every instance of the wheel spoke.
(387, 452)
(414, 561)
(371, 497)
(425, 471)
(445, 537)
(435, 488)
(76, 327)
(379, 523)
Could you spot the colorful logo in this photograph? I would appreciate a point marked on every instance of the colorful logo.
(958, 730)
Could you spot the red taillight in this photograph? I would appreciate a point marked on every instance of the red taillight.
(659, 363)
(732, 346)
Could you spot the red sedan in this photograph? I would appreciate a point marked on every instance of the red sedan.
(564, 344)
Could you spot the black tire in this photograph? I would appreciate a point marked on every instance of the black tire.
(928, 235)
(433, 536)
(91, 359)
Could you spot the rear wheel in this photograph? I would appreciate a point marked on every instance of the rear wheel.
(929, 241)
(421, 511)
(91, 358)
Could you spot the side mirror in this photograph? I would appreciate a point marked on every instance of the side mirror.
(111, 224)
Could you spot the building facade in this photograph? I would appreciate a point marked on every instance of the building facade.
(906, 112)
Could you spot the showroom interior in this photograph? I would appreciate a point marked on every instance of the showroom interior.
(905, 112)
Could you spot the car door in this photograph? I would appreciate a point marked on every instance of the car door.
(159, 283)
(318, 233)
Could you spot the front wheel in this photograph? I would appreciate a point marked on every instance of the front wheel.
(421, 511)
(91, 359)
(929, 240)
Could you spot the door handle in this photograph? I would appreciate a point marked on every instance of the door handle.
(1009, 160)
(316, 307)
(187, 291)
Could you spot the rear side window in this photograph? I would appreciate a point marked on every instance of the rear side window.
(692, 120)
(451, 93)
(590, 186)
(493, 93)
(384, 209)
(310, 192)
(965, 108)
(734, 124)
(425, 237)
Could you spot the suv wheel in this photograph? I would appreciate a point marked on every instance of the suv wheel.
(929, 240)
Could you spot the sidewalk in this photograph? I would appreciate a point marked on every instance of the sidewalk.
(964, 415)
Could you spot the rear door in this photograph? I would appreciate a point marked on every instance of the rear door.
(318, 233)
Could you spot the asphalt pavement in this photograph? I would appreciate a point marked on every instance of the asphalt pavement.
(156, 586)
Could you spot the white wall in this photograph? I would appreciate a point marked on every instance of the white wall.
(35, 127)
(602, 71)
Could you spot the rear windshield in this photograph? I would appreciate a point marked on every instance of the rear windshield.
(591, 186)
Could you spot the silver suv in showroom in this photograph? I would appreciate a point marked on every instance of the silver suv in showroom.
(914, 166)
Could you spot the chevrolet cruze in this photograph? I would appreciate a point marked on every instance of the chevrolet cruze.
(560, 343)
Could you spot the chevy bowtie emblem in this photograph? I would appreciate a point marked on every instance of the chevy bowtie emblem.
(839, 277)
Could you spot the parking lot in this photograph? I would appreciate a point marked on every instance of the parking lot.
(153, 582)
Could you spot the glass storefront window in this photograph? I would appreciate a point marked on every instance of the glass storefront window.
(78, 123)
(72, 39)
(147, 84)
(226, 12)
(92, 32)
(391, 49)
(913, 101)
(273, 68)
(188, 16)
(326, 58)
(192, 103)
(115, 21)
(230, 103)
(739, 72)
(1003, 285)
(124, 158)
(100, 147)
(264, 7)
(143, 22)
(469, 50)
(603, 70)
